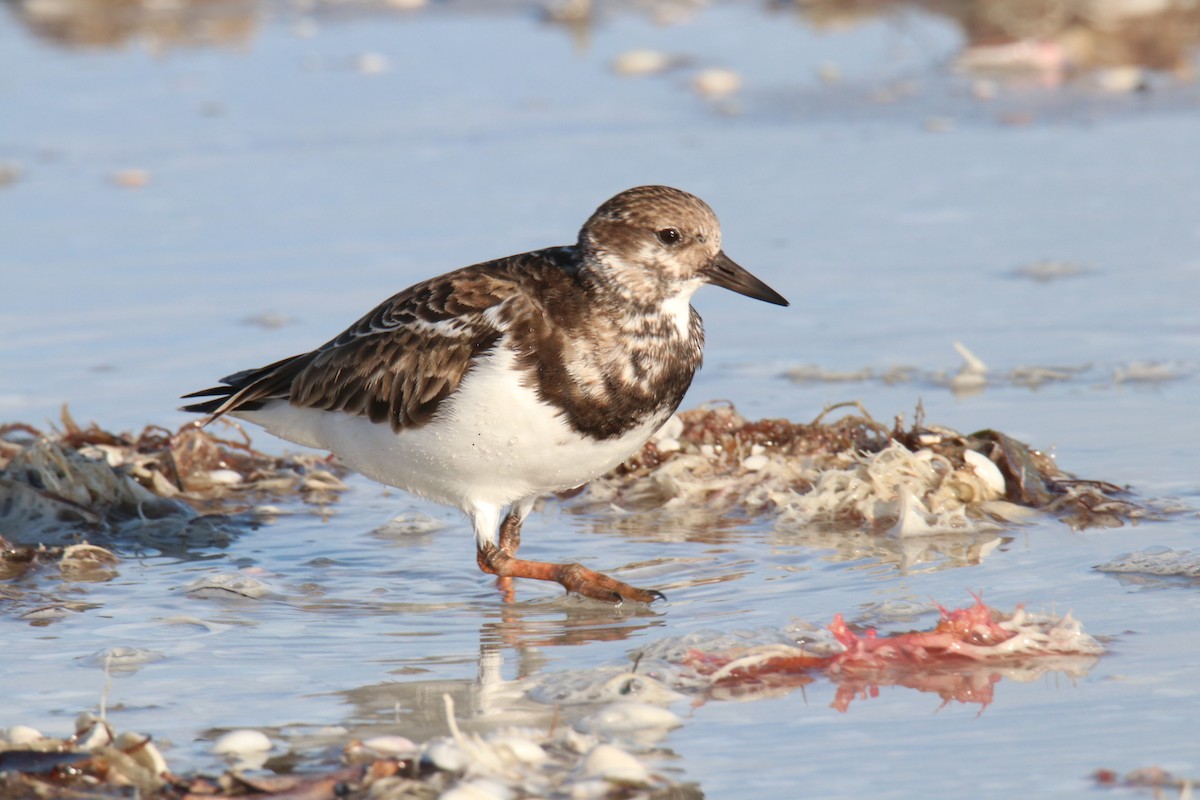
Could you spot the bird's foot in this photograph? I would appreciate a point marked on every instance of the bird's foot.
(573, 577)
(598, 586)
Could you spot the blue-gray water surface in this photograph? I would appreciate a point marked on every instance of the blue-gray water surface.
(322, 161)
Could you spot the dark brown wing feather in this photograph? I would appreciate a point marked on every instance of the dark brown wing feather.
(400, 361)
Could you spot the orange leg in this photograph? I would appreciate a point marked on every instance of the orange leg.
(502, 562)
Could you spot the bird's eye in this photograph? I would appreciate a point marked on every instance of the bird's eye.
(669, 236)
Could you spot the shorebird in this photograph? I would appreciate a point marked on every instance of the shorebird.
(499, 382)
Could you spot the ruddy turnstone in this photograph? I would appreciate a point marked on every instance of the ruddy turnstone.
(499, 382)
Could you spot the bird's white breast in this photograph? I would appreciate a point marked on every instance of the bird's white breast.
(493, 441)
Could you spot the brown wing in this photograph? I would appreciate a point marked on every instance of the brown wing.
(403, 358)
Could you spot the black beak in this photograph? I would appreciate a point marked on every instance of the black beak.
(726, 273)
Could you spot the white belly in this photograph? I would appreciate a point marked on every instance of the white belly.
(493, 442)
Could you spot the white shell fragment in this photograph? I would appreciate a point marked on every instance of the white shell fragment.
(755, 463)
(630, 717)
(614, 764)
(242, 742)
(224, 477)
(391, 745)
(518, 748)
(372, 64)
(987, 471)
(22, 734)
(447, 756)
(642, 62)
(92, 732)
(142, 751)
(478, 789)
(716, 83)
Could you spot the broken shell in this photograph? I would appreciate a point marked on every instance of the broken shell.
(665, 446)
(224, 477)
(671, 429)
(447, 756)
(142, 751)
(755, 463)
(91, 732)
(614, 764)
(82, 562)
(521, 749)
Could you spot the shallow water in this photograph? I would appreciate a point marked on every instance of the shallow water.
(283, 180)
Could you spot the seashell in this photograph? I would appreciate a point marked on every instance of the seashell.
(224, 477)
(987, 471)
(22, 735)
(629, 717)
(447, 756)
(519, 748)
(242, 742)
(614, 764)
(755, 463)
(142, 751)
(642, 62)
(717, 83)
(391, 745)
